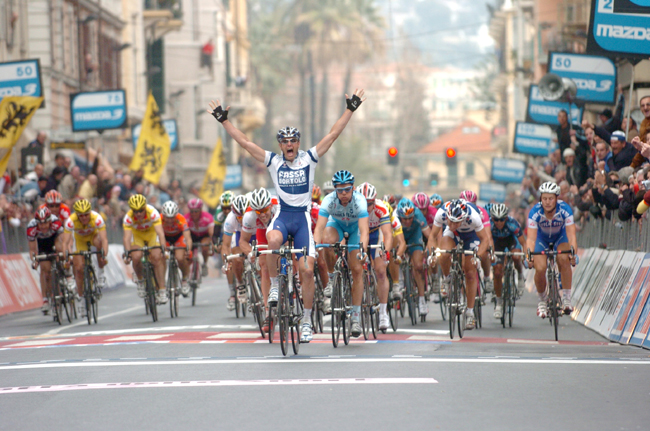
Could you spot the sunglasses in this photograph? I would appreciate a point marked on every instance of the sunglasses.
(369, 203)
(344, 189)
(499, 219)
(264, 211)
(138, 211)
(53, 205)
(286, 141)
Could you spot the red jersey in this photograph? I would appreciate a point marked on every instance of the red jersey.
(64, 212)
(177, 226)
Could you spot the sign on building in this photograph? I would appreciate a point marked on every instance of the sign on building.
(619, 34)
(594, 76)
(20, 78)
(508, 170)
(98, 110)
(492, 192)
(170, 126)
(632, 6)
(545, 112)
(233, 177)
(533, 139)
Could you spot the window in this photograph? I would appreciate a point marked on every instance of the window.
(452, 176)
(469, 169)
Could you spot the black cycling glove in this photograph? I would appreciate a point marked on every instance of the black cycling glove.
(220, 114)
(353, 103)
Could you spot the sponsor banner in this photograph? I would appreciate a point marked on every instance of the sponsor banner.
(579, 270)
(628, 310)
(594, 76)
(606, 310)
(21, 78)
(534, 139)
(68, 145)
(98, 110)
(582, 289)
(491, 192)
(169, 125)
(632, 6)
(639, 326)
(605, 272)
(618, 34)
(508, 170)
(233, 177)
(19, 284)
(545, 112)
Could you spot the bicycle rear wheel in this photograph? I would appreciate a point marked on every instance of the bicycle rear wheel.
(296, 316)
(365, 308)
(273, 313)
(347, 314)
(336, 302)
(284, 311)
(462, 307)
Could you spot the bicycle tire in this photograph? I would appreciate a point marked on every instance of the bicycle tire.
(505, 297)
(462, 300)
(177, 288)
(365, 310)
(283, 314)
(273, 312)
(169, 287)
(151, 293)
(452, 303)
(65, 296)
(55, 300)
(295, 322)
(347, 301)
(93, 289)
(87, 294)
(196, 272)
(478, 304)
(236, 304)
(409, 296)
(336, 303)
(512, 298)
(374, 306)
(257, 303)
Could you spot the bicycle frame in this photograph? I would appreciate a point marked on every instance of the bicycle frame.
(457, 299)
(92, 292)
(508, 290)
(149, 278)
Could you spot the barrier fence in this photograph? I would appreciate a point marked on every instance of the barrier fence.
(615, 235)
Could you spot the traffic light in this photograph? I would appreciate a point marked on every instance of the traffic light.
(393, 156)
(406, 178)
(450, 157)
(433, 179)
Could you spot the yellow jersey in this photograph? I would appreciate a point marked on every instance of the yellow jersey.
(145, 224)
(394, 220)
(95, 224)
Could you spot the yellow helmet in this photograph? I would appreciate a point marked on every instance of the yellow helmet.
(137, 202)
(82, 206)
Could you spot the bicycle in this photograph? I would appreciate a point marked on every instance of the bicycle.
(341, 300)
(481, 293)
(434, 282)
(195, 270)
(370, 302)
(410, 293)
(509, 290)
(393, 305)
(151, 285)
(60, 296)
(92, 292)
(251, 280)
(457, 296)
(174, 278)
(553, 299)
(318, 309)
(289, 308)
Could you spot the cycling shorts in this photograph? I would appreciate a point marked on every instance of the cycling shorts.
(176, 240)
(298, 225)
(140, 237)
(46, 245)
(543, 242)
(352, 231)
(470, 239)
(373, 239)
(413, 239)
(81, 242)
(198, 237)
(509, 243)
(237, 238)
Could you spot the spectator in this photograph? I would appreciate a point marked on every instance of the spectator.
(612, 121)
(53, 180)
(59, 162)
(576, 173)
(69, 185)
(603, 154)
(88, 189)
(39, 142)
(38, 171)
(126, 188)
(565, 131)
(603, 194)
(622, 152)
(43, 181)
(634, 131)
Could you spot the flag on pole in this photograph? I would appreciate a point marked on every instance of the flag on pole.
(214, 177)
(15, 114)
(152, 151)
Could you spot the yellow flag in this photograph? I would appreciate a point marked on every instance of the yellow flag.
(152, 152)
(15, 113)
(215, 175)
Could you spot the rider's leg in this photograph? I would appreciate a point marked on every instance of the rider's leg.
(470, 280)
(417, 260)
(498, 279)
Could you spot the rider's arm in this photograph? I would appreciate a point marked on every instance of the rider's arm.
(225, 246)
(67, 241)
(531, 238)
(485, 241)
(387, 234)
(426, 232)
(571, 236)
(363, 231)
(188, 238)
(324, 145)
(127, 238)
(211, 232)
(244, 242)
(523, 242)
(103, 237)
(401, 244)
(161, 233)
(33, 249)
(320, 227)
(253, 149)
(433, 237)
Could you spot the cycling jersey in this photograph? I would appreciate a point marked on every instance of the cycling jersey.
(293, 180)
(510, 228)
(83, 234)
(33, 233)
(251, 221)
(313, 212)
(550, 231)
(484, 215)
(347, 215)
(143, 229)
(64, 212)
(430, 213)
(395, 224)
(219, 215)
(174, 227)
(378, 216)
(472, 223)
(200, 229)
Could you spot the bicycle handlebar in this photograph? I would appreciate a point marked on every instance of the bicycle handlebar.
(234, 256)
(509, 253)
(50, 256)
(145, 248)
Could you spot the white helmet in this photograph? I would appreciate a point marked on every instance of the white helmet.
(328, 187)
(499, 211)
(239, 205)
(549, 187)
(260, 199)
(169, 209)
(368, 191)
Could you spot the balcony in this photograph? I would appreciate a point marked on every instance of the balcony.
(162, 16)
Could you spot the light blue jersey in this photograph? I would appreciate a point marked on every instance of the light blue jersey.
(348, 215)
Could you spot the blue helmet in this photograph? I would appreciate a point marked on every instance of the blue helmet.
(288, 132)
(343, 177)
(435, 200)
(488, 207)
(456, 210)
(405, 209)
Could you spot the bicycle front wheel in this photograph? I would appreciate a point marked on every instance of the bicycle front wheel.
(365, 308)
(151, 293)
(55, 301)
(257, 302)
(336, 302)
(347, 306)
(408, 284)
(512, 298)
(452, 302)
(284, 312)
(93, 294)
(296, 316)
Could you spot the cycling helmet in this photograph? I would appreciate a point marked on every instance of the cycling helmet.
(169, 209)
(343, 177)
(260, 199)
(43, 214)
(288, 132)
(405, 209)
(469, 196)
(390, 200)
(456, 210)
(226, 198)
(421, 201)
(435, 200)
(368, 191)
(499, 211)
(315, 193)
(137, 202)
(53, 197)
(328, 187)
(488, 207)
(195, 204)
(82, 206)
(239, 205)
(549, 187)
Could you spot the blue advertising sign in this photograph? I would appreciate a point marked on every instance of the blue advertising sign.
(233, 177)
(98, 110)
(170, 126)
(545, 112)
(491, 192)
(632, 6)
(534, 139)
(595, 77)
(508, 170)
(618, 34)
(20, 78)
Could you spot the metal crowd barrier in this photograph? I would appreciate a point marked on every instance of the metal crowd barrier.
(615, 235)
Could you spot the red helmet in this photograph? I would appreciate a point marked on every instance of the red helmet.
(43, 214)
(53, 197)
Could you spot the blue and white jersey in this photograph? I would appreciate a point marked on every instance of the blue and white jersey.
(510, 228)
(293, 180)
(563, 217)
(347, 215)
(472, 223)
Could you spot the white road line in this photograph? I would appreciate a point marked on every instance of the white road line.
(203, 383)
(298, 360)
(117, 313)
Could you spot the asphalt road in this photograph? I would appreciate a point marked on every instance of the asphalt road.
(208, 370)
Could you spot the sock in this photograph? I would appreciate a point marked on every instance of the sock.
(541, 296)
(232, 289)
(274, 282)
(382, 308)
(470, 312)
(422, 300)
(356, 309)
(331, 276)
(306, 316)
(566, 294)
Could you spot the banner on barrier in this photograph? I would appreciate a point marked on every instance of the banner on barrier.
(19, 286)
(582, 289)
(608, 261)
(641, 326)
(620, 331)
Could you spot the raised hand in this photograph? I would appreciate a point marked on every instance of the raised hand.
(356, 100)
(217, 111)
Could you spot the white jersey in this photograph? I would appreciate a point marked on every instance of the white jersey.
(251, 221)
(231, 225)
(293, 180)
(472, 223)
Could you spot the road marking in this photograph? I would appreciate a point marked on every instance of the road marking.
(40, 342)
(523, 341)
(140, 337)
(117, 313)
(332, 359)
(236, 335)
(204, 383)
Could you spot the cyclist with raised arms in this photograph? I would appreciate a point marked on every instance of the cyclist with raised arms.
(143, 224)
(232, 227)
(550, 221)
(292, 173)
(43, 235)
(177, 234)
(461, 222)
(345, 211)
(486, 262)
(379, 225)
(415, 229)
(201, 225)
(506, 231)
